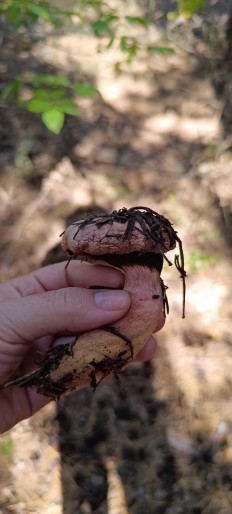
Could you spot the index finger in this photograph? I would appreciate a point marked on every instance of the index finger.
(58, 276)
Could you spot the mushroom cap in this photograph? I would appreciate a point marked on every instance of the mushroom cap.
(122, 232)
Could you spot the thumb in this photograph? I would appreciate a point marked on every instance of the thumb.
(62, 311)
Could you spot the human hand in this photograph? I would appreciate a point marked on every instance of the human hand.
(46, 308)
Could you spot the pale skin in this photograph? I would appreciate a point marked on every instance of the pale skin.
(48, 307)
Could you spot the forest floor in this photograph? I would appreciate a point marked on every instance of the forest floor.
(160, 136)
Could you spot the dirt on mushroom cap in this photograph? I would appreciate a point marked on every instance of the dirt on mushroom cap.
(79, 239)
(138, 229)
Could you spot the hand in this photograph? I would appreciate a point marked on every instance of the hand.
(39, 309)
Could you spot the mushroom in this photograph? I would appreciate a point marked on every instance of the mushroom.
(136, 241)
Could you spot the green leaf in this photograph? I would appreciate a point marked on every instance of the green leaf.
(50, 80)
(56, 94)
(137, 19)
(12, 89)
(68, 107)
(13, 15)
(36, 105)
(161, 50)
(49, 95)
(6, 446)
(101, 27)
(111, 17)
(53, 120)
(84, 89)
(129, 46)
(42, 94)
(189, 7)
(123, 43)
(40, 11)
(111, 42)
(132, 51)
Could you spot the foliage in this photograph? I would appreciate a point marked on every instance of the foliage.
(6, 446)
(50, 97)
(189, 7)
(25, 13)
(53, 96)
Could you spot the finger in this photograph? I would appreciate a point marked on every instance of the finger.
(57, 276)
(147, 351)
(63, 311)
(18, 404)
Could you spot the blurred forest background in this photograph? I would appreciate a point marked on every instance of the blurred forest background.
(112, 104)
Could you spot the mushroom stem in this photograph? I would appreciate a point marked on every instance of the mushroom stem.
(141, 320)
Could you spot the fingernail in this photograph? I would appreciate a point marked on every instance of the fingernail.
(111, 300)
